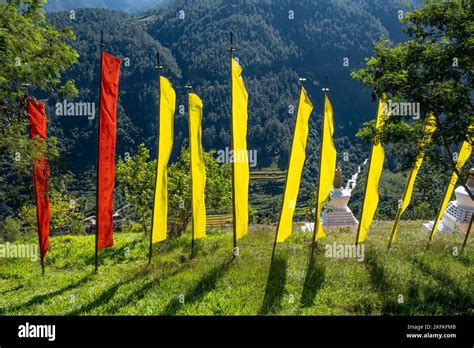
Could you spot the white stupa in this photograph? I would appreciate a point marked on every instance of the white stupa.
(339, 214)
(458, 213)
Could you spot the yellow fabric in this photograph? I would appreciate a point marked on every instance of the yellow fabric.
(239, 151)
(328, 165)
(463, 156)
(428, 131)
(377, 157)
(198, 169)
(295, 167)
(165, 145)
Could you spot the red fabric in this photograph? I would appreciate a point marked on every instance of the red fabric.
(107, 136)
(36, 111)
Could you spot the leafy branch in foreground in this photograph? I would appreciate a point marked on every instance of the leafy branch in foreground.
(32, 53)
(433, 69)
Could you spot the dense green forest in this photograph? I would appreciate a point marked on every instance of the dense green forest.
(117, 5)
(276, 42)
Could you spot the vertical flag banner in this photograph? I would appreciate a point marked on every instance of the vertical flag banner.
(463, 156)
(295, 167)
(106, 158)
(377, 156)
(165, 145)
(198, 168)
(327, 166)
(240, 184)
(428, 131)
(37, 116)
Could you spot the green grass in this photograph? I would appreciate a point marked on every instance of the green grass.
(213, 283)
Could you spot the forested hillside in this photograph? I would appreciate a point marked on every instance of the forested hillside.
(273, 49)
(276, 42)
(118, 5)
(137, 104)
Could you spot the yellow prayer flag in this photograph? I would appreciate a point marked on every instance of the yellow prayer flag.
(428, 131)
(198, 168)
(165, 145)
(295, 167)
(240, 184)
(327, 166)
(463, 156)
(375, 166)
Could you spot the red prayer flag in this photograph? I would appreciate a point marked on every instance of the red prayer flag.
(37, 116)
(107, 136)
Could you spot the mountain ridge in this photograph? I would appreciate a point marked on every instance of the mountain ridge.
(120, 5)
(273, 49)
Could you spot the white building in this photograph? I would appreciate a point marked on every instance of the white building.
(458, 213)
(338, 213)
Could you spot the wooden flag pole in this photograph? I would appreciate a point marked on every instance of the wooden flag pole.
(395, 227)
(365, 190)
(300, 80)
(158, 67)
(189, 88)
(231, 52)
(316, 215)
(399, 211)
(101, 50)
(467, 234)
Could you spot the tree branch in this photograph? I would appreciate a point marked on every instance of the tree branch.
(455, 168)
(453, 165)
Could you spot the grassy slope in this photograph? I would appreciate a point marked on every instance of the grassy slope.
(433, 282)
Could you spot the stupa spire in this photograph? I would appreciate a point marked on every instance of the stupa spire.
(337, 184)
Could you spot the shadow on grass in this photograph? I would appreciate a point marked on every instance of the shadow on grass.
(314, 278)
(448, 295)
(41, 298)
(136, 296)
(107, 295)
(427, 294)
(275, 286)
(385, 287)
(140, 293)
(15, 288)
(464, 260)
(118, 254)
(196, 293)
(10, 276)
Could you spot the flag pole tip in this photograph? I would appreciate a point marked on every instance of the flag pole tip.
(158, 65)
(325, 89)
(231, 49)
